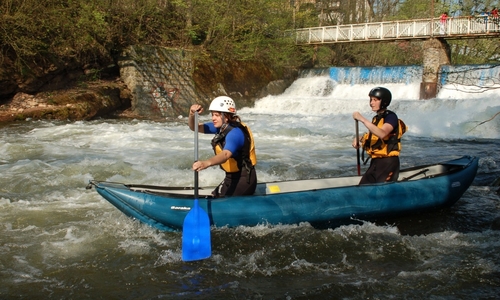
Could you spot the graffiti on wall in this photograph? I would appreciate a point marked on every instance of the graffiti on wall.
(164, 98)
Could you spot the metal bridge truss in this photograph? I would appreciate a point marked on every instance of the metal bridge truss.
(458, 27)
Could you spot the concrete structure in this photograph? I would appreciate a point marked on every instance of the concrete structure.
(436, 54)
(160, 80)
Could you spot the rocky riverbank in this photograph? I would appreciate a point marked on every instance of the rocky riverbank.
(73, 93)
(83, 102)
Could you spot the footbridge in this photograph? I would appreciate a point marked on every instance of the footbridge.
(453, 28)
(434, 33)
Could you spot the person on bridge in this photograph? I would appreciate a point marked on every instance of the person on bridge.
(233, 145)
(494, 13)
(442, 22)
(485, 16)
(382, 142)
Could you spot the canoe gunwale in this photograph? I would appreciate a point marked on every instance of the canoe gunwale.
(434, 170)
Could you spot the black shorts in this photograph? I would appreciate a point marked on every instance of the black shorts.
(382, 170)
(237, 184)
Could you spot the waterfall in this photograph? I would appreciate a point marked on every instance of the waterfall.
(468, 96)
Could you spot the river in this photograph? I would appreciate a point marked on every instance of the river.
(61, 241)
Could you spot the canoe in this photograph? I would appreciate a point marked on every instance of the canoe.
(316, 201)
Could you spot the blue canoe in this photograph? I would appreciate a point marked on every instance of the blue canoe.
(315, 201)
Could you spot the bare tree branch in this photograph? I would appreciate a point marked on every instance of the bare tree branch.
(473, 80)
(498, 113)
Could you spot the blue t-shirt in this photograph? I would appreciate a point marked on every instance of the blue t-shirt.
(235, 139)
(392, 119)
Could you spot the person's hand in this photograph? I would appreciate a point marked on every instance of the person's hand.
(195, 108)
(357, 116)
(200, 165)
(355, 143)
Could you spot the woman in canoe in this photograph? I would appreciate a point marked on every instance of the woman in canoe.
(233, 145)
(382, 142)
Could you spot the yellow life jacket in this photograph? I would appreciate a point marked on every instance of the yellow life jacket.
(390, 145)
(247, 159)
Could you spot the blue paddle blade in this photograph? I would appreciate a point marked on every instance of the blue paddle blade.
(196, 243)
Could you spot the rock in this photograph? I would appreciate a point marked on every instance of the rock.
(97, 99)
(275, 87)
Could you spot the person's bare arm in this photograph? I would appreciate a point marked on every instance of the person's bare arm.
(214, 160)
(380, 132)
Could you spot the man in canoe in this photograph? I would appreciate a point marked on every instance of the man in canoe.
(382, 142)
(233, 145)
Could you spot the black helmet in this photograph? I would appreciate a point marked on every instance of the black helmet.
(383, 94)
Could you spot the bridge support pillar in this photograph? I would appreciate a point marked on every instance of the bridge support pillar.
(436, 53)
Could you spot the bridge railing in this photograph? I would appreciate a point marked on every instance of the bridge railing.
(408, 29)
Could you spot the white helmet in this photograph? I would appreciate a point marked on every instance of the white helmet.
(223, 104)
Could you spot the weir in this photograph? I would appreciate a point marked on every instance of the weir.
(471, 78)
(375, 75)
(436, 57)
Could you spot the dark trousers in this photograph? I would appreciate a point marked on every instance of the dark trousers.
(383, 169)
(237, 184)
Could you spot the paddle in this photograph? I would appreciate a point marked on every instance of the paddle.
(357, 149)
(196, 242)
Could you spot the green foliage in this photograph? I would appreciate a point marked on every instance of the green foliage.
(90, 31)
(475, 52)
(94, 32)
(472, 7)
(413, 9)
(246, 30)
(371, 54)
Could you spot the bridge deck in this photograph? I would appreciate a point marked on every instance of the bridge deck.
(454, 28)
